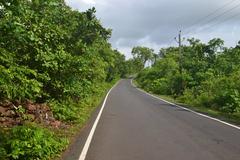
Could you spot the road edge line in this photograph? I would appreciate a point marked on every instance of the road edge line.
(91, 133)
(187, 109)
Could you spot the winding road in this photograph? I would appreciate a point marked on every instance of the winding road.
(136, 126)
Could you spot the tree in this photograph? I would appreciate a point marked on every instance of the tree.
(143, 54)
(65, 51)
(209, 78)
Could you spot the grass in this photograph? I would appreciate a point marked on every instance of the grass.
(86, 111)
(231, 118)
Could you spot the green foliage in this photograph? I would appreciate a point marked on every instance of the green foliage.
(160, 86)
(230, 100)
(3, 150)
(15, 83)
(141, 55)
(133, 66)
(75, 111)
(65, 111)
(209, 77)
(222, 93)
(31, 142)
(51, 53)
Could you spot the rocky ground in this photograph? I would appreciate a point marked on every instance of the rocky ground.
(16, 113)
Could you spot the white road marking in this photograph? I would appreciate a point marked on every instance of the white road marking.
(187, 109)
(90, 136)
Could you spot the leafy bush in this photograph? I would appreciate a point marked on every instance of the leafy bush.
(76, 110)
(188, 97)
(229, 101)
(160, 86)
(65, 111)
(19, 83)
(205, 99)
(31, 142)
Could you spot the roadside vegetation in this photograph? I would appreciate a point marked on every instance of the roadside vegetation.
(55, 66)
(204, 76)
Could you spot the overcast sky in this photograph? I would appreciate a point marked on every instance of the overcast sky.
(155, 23)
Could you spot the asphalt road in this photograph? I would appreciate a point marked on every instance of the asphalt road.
(136, 126)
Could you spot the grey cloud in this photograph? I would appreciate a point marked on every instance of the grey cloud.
(155, 22)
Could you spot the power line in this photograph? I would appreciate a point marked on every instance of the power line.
(229, 10)
(217, 16)
(212, 13)
(203, 19)
(219, 22)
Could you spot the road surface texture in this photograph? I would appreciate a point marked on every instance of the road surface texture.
(136, 126)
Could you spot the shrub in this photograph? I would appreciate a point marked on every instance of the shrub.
(15, 83)
(65, 111)
(229, 101)
(205, 99)
(160, 86)
(31, 142)
(187, 97)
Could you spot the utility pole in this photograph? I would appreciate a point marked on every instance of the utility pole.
(179, 40)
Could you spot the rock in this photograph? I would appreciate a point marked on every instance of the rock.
(2, 119)
(9, 113)
(38, 106)
(8, 122)
(5, 103)
(49, 116)
(31, 108)
(44, 108)
(55, 124)
(2, 110)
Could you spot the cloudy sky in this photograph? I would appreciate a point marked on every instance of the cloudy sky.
(155, 23)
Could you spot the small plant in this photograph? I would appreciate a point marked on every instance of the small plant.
(20, 110)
